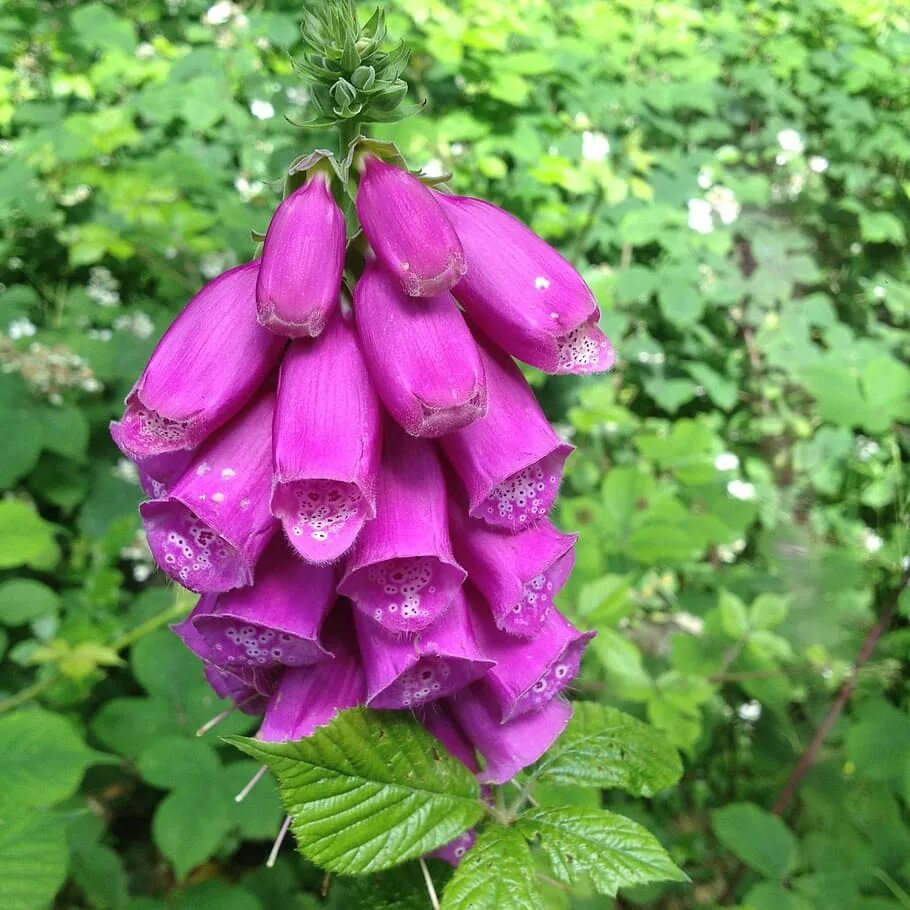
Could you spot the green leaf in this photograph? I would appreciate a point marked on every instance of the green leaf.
(761, 840)
(189, 825)
(33, 855)
(176, 762)
(604, 747)
(23, 599)
(96, 868)
(497, 873)
(217, 895)
(369, 791)
(881, 227)
(25, 537)
(608, 850)
(42, 759)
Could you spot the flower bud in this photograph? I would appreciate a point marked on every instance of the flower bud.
(404, 672)
(518, 575)
(276, 620)
(204, 370)
(327, 440)
(421, 356)
(407, 230)
(302, 261)
(507, 747)
(523, 294)
(210, 529)
(530, 673)
(510, 461)
(401, 572)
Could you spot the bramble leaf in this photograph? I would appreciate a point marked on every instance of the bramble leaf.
(604, 747)
(369, 791)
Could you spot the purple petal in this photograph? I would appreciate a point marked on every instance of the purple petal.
(523, 294)
(205, 368)
(274, 621)
(510, 462)
(404, 672)
(401, 572)
(421, 356)
(225, 685)
(508, 748)
(528, 674)
(454, 850)
(309, 697)
(302, 261)
(518, 575)
(327, 440)
(407, 229)
(208, 532)
(238, 683)
(159, 473)
(438, 719)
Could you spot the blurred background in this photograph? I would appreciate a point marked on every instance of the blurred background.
(732, 179)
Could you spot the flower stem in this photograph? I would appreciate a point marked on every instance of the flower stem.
(348, 131)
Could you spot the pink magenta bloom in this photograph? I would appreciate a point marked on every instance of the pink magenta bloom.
(210, 529)
(302, 261)
(518, 575)
(421, 356)
(327, 440)
(274, 621)
(407, 230)
(438, 719)
(247, 685)
(523, 294)
(454, 850)
(309, 697)
(407, 671)
(401, 572)
(530, 673)
(510, 462)
(205, 368)
(507, 748)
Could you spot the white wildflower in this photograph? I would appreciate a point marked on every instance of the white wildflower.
(262, 110)
(741, 489)
(726, 461)
(595, 146)
(790, 141)
(700, 219)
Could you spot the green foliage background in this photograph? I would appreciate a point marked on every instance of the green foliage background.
(732, 177)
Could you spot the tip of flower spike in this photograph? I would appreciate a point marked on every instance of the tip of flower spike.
(584, 350)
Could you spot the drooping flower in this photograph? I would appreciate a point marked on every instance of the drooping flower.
(523, 294)
(327, 440)
(401, 571)
(423, 361)
(507, 747)
(275, 621)
(407, 671)
(302, 261)
(206, 367)
(248, 686)
(309, 697)
(208, 532)
(510, 461)
(518, 575)
(407, 229)
(529, 673)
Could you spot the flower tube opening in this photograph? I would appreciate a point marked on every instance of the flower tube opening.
(404, 672)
